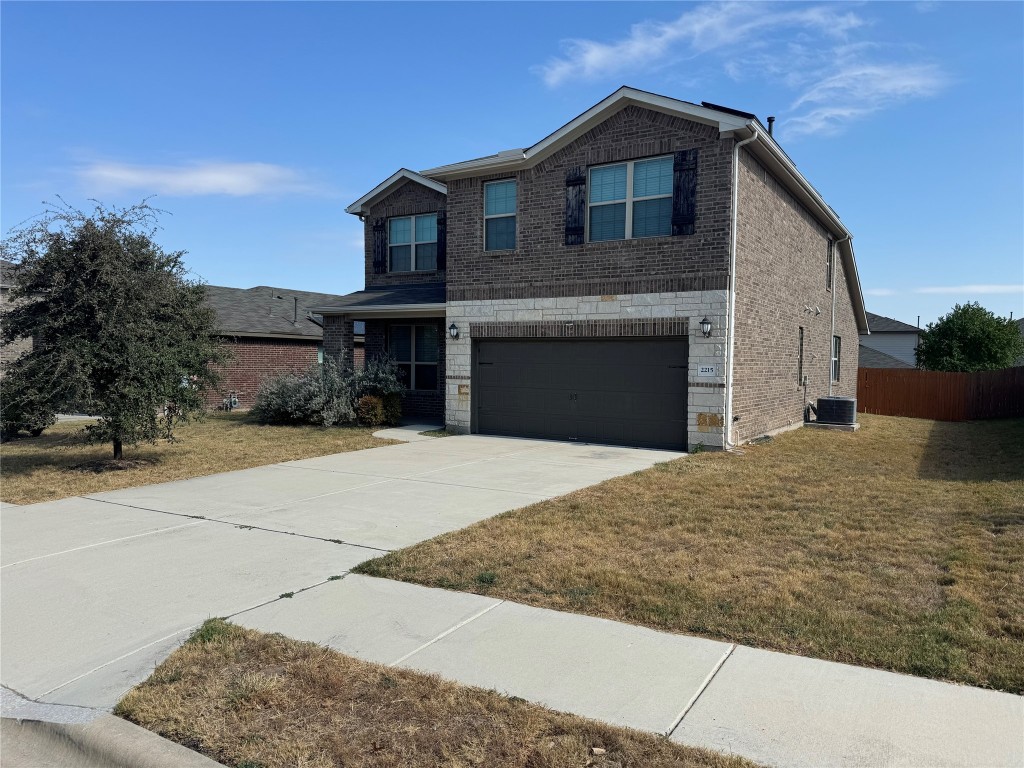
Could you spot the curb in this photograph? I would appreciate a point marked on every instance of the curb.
(105, 742)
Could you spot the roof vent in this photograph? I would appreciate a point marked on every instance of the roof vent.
(771, 124)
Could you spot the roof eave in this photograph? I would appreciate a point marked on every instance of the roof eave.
(359, 312)
(362, 206)
(579, 125)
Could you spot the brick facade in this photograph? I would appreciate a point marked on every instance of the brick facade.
(15, 349)
(255, 359)
(542, 265)
(408, 200)
(781, 281)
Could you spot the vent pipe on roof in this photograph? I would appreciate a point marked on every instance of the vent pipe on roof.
(771, 124)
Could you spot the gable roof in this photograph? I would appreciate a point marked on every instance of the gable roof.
(731, 123)
(724, 121)
(267, 311)
(872, 358)
(361, 207)
(883, 324)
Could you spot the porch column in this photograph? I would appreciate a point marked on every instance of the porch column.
(339, 340)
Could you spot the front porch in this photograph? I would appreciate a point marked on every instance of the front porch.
(406, 323)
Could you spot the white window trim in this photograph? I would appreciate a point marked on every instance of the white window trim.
(629, 200)
(412, 242)
(513, 215)
(835, 371)
(412, 354)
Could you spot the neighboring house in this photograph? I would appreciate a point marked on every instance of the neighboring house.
(558, 291)
(892, 338)
(9, 352)
(267, 331)
(872, 358)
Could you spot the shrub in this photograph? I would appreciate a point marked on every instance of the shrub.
(380, 377)
(370, 410)
(392, 409)
(24, 407)
(322, 395)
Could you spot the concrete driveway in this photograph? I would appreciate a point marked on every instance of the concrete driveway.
(97, 590)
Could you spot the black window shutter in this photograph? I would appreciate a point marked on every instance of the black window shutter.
(442, 240)
(380, 246)
(684, 192)
(575, 205)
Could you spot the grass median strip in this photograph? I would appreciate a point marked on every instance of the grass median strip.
(60, 463)
(252, 700)
(900, 546)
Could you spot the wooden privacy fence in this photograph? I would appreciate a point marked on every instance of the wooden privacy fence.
(941, 396)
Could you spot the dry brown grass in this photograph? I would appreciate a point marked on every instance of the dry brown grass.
(60, 463)
(900, 546)
(261, 701)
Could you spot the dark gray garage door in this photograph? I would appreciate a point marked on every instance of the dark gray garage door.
(618, 391)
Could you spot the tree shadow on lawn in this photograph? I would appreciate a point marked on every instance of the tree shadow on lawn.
(974, 451)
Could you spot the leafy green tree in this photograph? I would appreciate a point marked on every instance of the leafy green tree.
(970, 338)
(118, 329)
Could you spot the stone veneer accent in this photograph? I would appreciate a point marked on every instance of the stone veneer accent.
(600, 316)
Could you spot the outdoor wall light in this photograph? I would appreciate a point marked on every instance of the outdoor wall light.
(453, 331)
(705, 327)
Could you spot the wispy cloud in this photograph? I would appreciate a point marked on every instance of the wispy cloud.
(880, 292)
(196, 179)
(834, 78)
(973, 289)
(705, 29)
(857, 89)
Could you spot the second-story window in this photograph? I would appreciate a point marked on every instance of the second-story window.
(629, 200)
(500, 215)
(412, 243)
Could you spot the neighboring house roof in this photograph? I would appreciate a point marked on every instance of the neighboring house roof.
(882, 324)
(872, 358)
(267, 311)
(422, 300)
(361, 207)
(1020, 360)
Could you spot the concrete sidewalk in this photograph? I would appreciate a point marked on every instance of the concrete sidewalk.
(773, 708)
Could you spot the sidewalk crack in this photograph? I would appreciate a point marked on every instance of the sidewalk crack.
(445, 634)
(703, 687)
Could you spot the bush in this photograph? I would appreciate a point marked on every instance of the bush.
(370, 411)
(392, 409)
(321, 395)
(24, 408)
(380, 377)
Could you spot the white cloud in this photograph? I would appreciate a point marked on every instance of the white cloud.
(806, 50)
(879, 292)
(194, 179)
(857, 89)
(973, 289)
(707, 28)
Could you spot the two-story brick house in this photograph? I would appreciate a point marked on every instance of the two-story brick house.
(653, 273)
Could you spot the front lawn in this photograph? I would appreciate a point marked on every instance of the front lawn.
(900, 546)
(250, 699)
(60, 463)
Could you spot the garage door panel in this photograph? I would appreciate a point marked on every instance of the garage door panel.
(624, 391)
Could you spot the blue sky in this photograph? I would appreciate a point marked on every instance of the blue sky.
(256, 124)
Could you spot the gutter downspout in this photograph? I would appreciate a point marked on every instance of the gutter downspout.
(727, 429)
(832, 338)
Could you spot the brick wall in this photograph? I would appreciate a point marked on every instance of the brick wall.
(407, 200)
(9, 352)
(255, 359)
(543, 266)
(780, 272)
